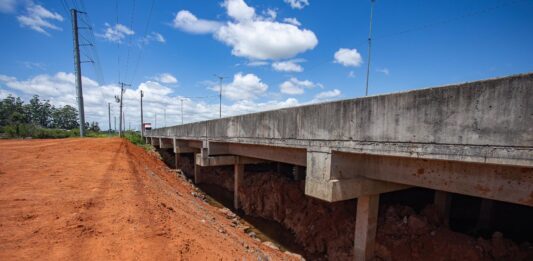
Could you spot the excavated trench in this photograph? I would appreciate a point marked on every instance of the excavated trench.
(409, 228)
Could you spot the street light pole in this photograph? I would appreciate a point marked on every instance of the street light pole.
(142, 121)
(220, 78)
(369, 46)
(181, 100)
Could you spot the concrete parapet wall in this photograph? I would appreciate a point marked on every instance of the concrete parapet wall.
(497, 112)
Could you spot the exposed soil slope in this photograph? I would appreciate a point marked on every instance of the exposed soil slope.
(102, 199)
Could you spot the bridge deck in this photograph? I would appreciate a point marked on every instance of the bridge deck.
(474, 139)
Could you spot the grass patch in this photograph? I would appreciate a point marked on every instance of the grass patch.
(23, 131)
(135, 138)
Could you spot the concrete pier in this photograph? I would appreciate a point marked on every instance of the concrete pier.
(473, 139)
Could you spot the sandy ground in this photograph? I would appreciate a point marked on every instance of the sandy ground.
(102, 199)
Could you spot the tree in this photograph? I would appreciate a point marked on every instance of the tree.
(39, 112)
(9, 106)
(65, 117)
(94, 127)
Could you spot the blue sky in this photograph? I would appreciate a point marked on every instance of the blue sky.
(274, 53)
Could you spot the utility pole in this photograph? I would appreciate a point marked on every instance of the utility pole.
(220, 78)
(129, 125)
(181, 100)
(155, 120)
(115, 123)
(77, 69)
(165, 117)
(369, 45)
(142, 121)
(109, 116)
(119, 100)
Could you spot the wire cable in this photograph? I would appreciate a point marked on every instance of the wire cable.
(139, 56)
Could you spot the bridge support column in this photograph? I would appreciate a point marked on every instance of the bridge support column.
(442, 201)
(365, 227)
(239, 176)
(485, 214)
(196, 171)
(177, 160)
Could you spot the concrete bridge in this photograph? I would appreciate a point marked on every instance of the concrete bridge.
(474, 139)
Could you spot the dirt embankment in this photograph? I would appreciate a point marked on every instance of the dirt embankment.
(325, 230)
(105, 199)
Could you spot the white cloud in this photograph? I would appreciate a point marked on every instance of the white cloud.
(348, 57)
(39, 19)
(188, 22)
(257, 63)
(383, 70)
(155, 36)
(294, 86)
(166, 78)
(151, 37)
(60, 90)
(242, 107)
(328, 94)
(297, 4)
(250, 35)
(32, 65)
(351, 74)
(293, 21)
(5, 93)
(8, 6)
(287, 66)
(271, 13)
(116, 33)
(239, 10)
(243, 87)
(266, 39)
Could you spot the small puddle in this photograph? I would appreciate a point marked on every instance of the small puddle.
(265, 229)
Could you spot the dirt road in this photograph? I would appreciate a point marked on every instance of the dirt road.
(102, 199)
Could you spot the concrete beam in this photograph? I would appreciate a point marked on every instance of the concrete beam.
(366, 222)
(155, 141)
(328, 178)
(224, 160)
(214, 161)
(165, 143)
(296, 156)
(184, 146)
(499, 182)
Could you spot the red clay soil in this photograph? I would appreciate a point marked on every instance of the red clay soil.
(323, 229)
(102, 199)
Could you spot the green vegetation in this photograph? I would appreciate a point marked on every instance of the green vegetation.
(135, 138)
(40, 119)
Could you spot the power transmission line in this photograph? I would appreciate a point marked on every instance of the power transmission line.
(130, 37)
(369, 46)
(77, 70)
(109, 116)
(142, 119)
(359, 44)
(118, 42)
(139, 56)
(120, 100)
